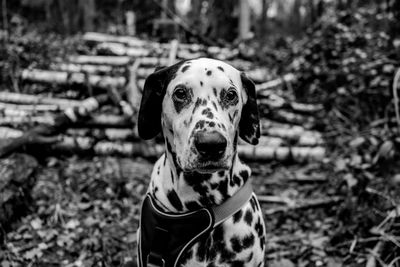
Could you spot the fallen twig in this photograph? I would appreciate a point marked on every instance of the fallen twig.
(309, 204)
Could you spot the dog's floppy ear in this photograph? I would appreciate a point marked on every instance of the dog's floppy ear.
(249, 125)
(149, 120)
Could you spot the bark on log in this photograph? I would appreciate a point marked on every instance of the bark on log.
(118, 49)
(35, 100)
(16, 180)
(110, 134)
(30, 108)
(151, 150)
(26, 120)
(288, 131)
(274, 101)
(118, 61)
(86, 68)
(102, 38)
(306, 121)
(65, 78)
(297, 154)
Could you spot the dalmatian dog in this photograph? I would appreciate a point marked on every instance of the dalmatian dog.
(202, 106)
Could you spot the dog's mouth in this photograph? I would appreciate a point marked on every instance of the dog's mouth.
(210, 167)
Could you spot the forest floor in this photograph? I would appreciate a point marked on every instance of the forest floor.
(86, 212)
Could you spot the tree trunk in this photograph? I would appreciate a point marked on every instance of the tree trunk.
(244, 19)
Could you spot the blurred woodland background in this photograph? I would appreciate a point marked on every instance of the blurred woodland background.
(73, 170)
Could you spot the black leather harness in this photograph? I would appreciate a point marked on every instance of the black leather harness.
(164, 237)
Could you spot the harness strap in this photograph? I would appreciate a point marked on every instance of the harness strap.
(232, 204)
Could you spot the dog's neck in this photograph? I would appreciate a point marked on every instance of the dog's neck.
(178, 192)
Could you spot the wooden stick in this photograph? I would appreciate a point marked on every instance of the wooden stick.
(85, 68)
(274, 83)
(118, 49)
(119, 61)
(103, 38)
(7, 133)
(65, 78)
(35, 100)
(32, 108)
(308, 204)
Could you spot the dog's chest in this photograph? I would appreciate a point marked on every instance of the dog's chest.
(238, 241)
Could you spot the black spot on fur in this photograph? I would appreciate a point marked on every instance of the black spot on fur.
(239, 244)
(204, 103)
(236, 244)
(221, 173)
(235, 180)
(220, 68)
(235, 141)
(235, 114)
(237, 216)
(200, 124)
(209, 73)
(172, 176)
(259, 227)
(195, 178)
(253, 204)
(174, 200)
(230, 118)
(196, 105)
(225, 254)
(208, 113)
(248, 217)
(248, 241)
(201, 83)
(223, 126)
(185, 68)
(158, 170)
(214, 105)
(244, 174)
(173, 155)
(215, 91)
(250, 257)
(211, 124)
(223, 189)
(262, 242)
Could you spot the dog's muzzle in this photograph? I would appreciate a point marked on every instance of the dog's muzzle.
(210, 145)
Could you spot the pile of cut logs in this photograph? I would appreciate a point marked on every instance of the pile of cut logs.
(102, 121)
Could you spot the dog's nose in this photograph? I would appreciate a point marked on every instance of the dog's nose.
(210, 145)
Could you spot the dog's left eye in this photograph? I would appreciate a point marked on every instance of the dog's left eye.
(180, 94)
(231, 95)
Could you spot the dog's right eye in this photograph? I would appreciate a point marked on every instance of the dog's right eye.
(180, 94)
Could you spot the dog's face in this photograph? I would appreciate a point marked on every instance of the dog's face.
(202, 106)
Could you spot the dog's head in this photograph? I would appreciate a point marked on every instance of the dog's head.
(201, 105)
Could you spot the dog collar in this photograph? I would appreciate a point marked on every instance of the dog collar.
(164, 237)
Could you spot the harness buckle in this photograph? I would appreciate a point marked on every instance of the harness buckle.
(155, 260)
